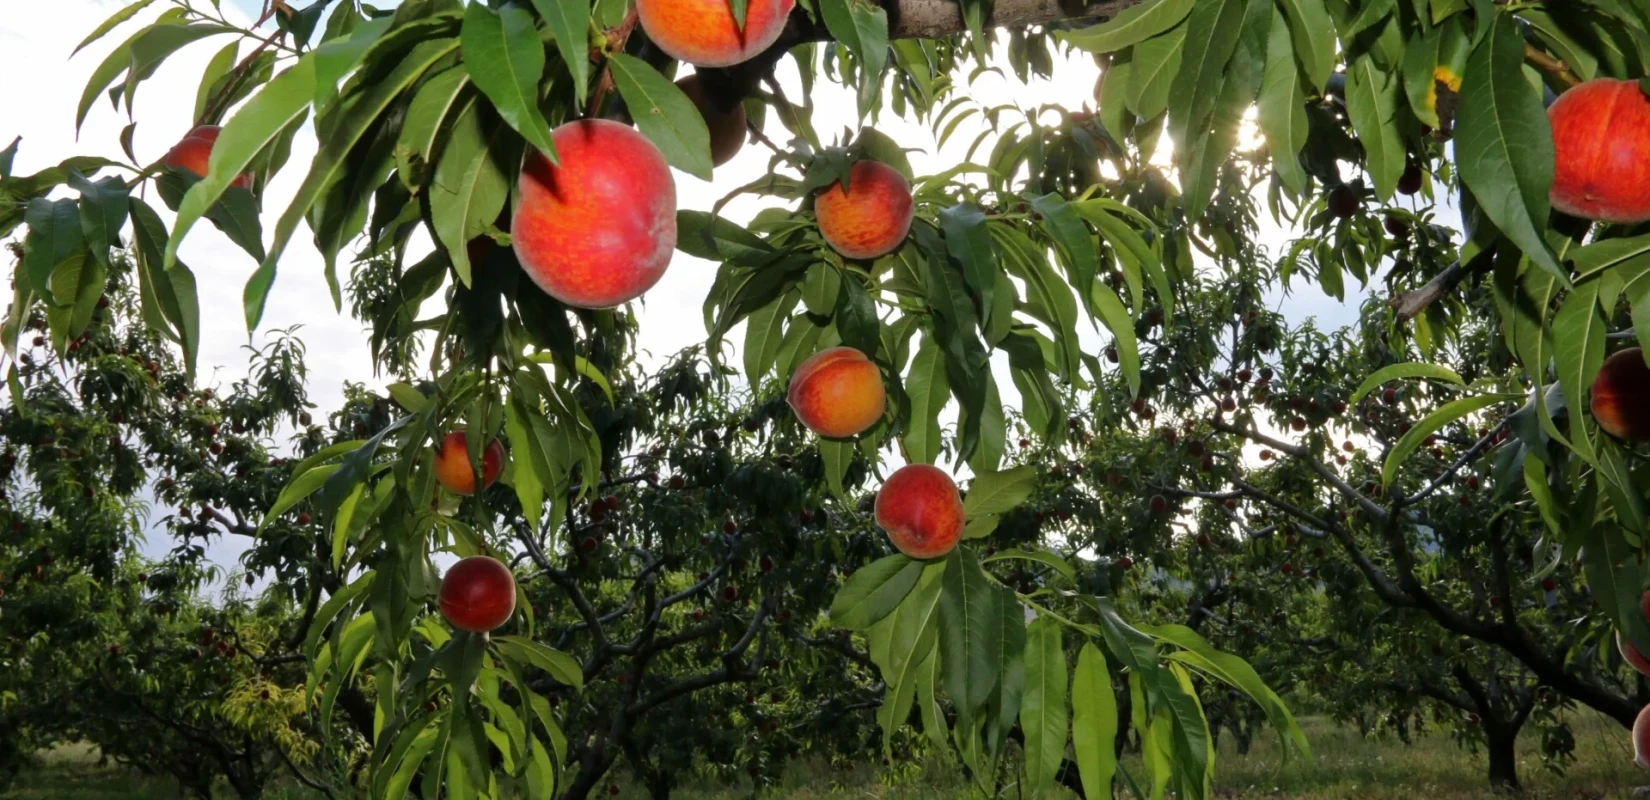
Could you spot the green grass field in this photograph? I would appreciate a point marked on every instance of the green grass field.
(1347, 767)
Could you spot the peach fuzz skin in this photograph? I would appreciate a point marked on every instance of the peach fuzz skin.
(837, 393)
(478, 594)
(872, 217)
(452, 464)
(1601, 140)
(598, 230)
(1621, 396)
(703, 32)
(920, 509)
(727, 126)
(194, 153)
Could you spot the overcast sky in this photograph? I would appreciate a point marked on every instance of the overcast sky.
(40, 87)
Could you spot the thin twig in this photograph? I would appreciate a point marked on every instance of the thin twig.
(616, 39)
(1552, 66)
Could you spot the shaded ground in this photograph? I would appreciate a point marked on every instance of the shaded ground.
(1347, 767)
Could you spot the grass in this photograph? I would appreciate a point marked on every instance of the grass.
(1347, 767)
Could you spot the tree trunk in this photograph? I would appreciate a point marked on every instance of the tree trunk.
(1503, 740)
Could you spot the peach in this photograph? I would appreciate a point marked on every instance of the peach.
(1641, 739)
(870, 218)
(837, 393)
(704, 33)
(1601, 141)
(478, 594)
(727, 125)
(598, 230)
(1631, 655)
(1621, 396)
(920, 509)
(194, 153)
(452, 464)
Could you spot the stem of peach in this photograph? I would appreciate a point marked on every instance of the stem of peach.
(1550, 65)
(616, 38)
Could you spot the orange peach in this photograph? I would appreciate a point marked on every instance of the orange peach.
(704, 33)
(727, 125)
(921, 510)
(837, 393)
(194, 153)
(871, 217)
(452, 464)
(1601, 141)
(1621, 396)
(598, 230)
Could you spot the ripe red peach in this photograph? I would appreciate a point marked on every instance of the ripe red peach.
(1641, 739)
(837, 393)
(1601, 144)
(727, 125)
(478, 594)
(1621, 396)
(1631, 655)
(598, 230)
(704, 33)
(452, 464)
(921, 510)
(870, 218)
(194, 153)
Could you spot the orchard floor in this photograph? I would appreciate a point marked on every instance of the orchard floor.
(1348, 767)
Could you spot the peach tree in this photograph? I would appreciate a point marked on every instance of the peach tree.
(497, 128)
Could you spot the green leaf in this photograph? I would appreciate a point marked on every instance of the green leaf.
(1109, 307)
(103, 206)
(764, 332)
(219, 66)
(1043, 557)
(1578, 353)
(1043, 709)
(856, 317)
(969, 242)
(1396, 372)
(1215, 26)
(999, 492)
(1283, 107)
(54, 236)
(1314, 38)
(874, 591)
(504, 56)
(1238, 674)
(469, 189)
(1412, 440)
(930, 391)
(297, 491)
(1372, 105)
(425, 122)
(153, 46)
(568, 21)
(1504, 145)
(564, 668)
(110, 24)
(1066, 227)
(967, 641)
(1133, 649)
(336, 145)
(169, 293)
(837, 455)
(1094, 723)
(1132, 26)
(862, 27)
(664, 114)
(1155, 65)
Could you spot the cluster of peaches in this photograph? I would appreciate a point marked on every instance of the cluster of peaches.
(598, 229)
